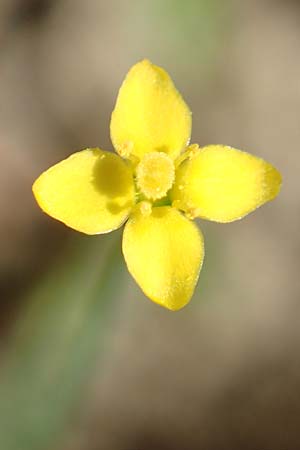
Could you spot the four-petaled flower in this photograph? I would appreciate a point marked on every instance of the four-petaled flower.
(157, 183)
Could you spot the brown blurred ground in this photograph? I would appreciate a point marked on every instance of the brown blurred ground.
(222, 375)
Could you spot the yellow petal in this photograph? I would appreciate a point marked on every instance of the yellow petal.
(149, 114)
(223, 184)
(164, 253)
(92, 191)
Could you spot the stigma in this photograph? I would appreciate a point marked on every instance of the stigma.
(155, 175)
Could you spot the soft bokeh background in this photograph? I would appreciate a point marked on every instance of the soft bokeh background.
(87, 362)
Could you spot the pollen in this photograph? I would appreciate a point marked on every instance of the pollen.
(155, 175)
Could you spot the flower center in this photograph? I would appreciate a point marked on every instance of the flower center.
(155, 175)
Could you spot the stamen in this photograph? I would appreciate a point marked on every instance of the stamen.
(125, 149)
(145, 208)
(192, 213)
(189, 153)
(193, 150)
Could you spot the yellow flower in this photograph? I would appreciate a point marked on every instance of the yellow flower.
(157, 183)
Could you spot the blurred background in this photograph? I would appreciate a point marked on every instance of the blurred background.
(86, 361)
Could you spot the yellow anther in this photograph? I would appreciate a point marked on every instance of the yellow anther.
(155, 175)
(193, 150)
(192, 213)
(125, 149)
(189, 153)
(145, 208)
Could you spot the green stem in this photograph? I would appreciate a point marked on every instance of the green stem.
(57, 343)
